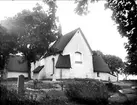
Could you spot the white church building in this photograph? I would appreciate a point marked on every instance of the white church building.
(71, 57)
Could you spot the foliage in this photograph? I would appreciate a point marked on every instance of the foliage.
(115, 63)
(97, 52)
(82, 6)
(39, 85)
(112, 87)
(7, 45)
(125, 16)
(11, 97)
(87, 91)
(35, 31)
(55, 96)
(30, 32)
(52, 97)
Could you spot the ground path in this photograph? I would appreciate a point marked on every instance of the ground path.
(128, 92)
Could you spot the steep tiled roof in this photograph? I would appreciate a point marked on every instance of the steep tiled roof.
(61, 43)
(99, 64)
(63, 61)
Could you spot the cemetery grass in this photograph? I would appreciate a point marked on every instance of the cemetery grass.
(51, 97)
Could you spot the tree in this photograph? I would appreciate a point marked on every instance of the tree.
(115, 63)
(35, 30)
(125, 16)
(97, 52)
(7, 45)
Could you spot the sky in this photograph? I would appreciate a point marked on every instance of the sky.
(98, 27)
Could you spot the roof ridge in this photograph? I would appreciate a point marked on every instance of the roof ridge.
(67, 36)
(85, 40)
(72, 31)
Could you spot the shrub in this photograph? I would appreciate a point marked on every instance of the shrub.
(112, 87)
(9, 97)
(87, 91)
(36, 84)
(53, 97)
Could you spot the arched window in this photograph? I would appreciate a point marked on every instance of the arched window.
(78, 57)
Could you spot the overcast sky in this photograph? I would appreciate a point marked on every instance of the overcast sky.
(97, 26)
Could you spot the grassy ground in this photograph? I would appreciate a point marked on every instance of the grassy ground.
(127, 93)
(52, 93)
(126, 83)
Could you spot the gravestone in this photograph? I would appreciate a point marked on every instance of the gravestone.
(20, 84)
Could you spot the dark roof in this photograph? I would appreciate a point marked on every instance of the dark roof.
(17, 64)
(63, 61)
(38, 69)
(61, 43)
(99, 64)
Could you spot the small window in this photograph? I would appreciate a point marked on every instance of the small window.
(98, 74)
(78, 57)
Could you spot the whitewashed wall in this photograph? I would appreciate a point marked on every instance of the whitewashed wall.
(33, 66)
(85, 69)
(16, 74)
(105, 76)
(35, 75)
(47, 71)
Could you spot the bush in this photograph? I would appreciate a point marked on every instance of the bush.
(87, 91)
(10, 97)
(36, 84)
(53, 97)
(112, 87)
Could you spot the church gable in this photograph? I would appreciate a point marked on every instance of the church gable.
(78, 43)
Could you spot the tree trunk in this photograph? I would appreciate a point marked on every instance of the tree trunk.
(117, 77)
(2, 61)
(126, 75)
(29, 69)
